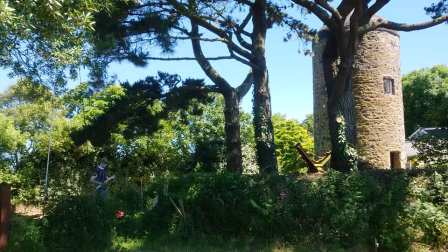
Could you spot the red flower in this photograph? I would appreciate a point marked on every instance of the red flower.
(119, 214)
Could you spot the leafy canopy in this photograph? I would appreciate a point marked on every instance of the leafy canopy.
(425, 94)
(39, 39)
(288, 133)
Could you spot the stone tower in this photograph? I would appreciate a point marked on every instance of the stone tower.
(377, 95)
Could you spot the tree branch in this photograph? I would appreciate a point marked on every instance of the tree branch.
(377, 6)
(202, 60)
(241, 40)
(199, 38)
(185, 58)
(347, 51)
(245, 21)
(245, 86)
(318, 11)
(382, 23)
(207, 89)
(246, 2)
(413, 27)
(346, 7)
(330, 9)
(240, 31)
(203, 23)
(240, 59)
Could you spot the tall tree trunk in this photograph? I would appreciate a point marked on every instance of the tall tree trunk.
(340, 107)
(232, 131)
(5, 214)
(264, 130)
(337, 120)
(231, 106)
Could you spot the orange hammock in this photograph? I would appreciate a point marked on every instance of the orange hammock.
(313, 165)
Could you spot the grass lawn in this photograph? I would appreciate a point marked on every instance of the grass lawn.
(216, 244)
(25, 236)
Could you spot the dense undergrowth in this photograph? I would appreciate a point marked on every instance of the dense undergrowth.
(390, 210)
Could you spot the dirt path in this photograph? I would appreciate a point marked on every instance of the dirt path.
(28, 210)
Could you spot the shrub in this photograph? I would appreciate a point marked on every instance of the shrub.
(369, 208)
(433, 150)
(389, 210)
(78, 224)
(25, 235)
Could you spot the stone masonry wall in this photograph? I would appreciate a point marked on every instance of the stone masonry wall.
(379, 116)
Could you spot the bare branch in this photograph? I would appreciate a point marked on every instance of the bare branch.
(199, 38)
(218, 12)
(246, 33)
(240, 31)
(413, 27)
(185, 58)
(245, 86)
(246, 2)
(245, 21)
(330, 9)
(240, 59)
(203, 23)
(346, 7)
(182, 30)
(347, 51)
(203, 62)
(322, 14)
(382, 23)
(207, 89)
(241, 40)
(377, 6)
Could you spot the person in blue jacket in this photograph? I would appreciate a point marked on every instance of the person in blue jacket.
(100, 179)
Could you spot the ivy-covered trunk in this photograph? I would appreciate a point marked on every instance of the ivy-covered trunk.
(343, 155)
(264, 130)
(340, 107)
(232, 131)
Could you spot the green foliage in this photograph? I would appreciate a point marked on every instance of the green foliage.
(202, 126)
(362, 208)
(428, 212)
(287, 134)
(35, 116)
(114, 32)
(78, 224)
(191, 139)
(136, 109)
(308, 124)
(425, 97)
(344, 149)
(39, 39)
(10, 138)
(188, 139)
(432, 150)
(25, 235)
(393, 209)
(8, 177)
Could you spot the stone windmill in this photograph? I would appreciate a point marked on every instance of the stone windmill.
(377, 97)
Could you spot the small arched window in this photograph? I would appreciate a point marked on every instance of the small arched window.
(389, 86)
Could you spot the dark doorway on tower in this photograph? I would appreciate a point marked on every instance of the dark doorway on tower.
(395, 160)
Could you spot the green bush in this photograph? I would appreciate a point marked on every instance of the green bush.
(78, 224)
(389, 209)
(366, 208)
(25, 235)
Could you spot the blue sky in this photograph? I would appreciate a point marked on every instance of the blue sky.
(290, 71)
